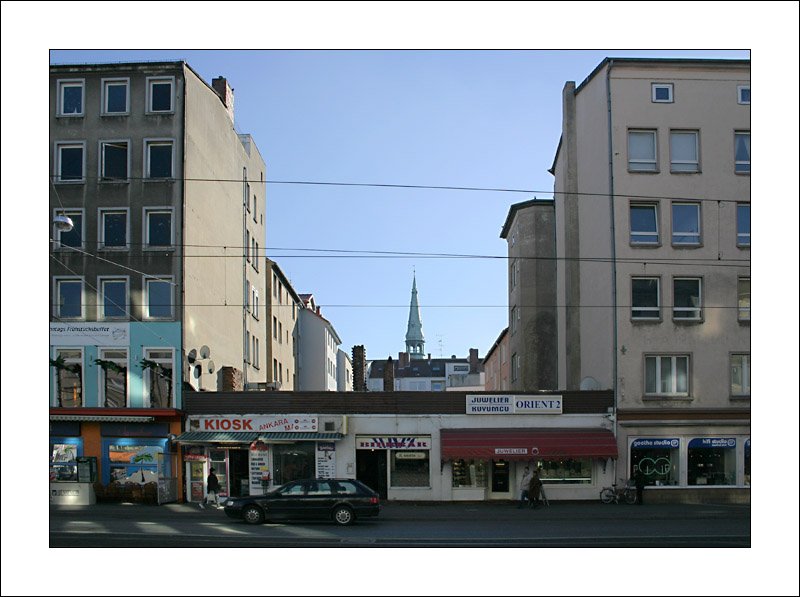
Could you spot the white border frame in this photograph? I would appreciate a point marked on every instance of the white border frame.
(146, 211)
(695, 162)
(101, 280)
(104, 83)
(55, 308)
(101, 398)
(147, 373)
(170, 280)
(101, 230)
(149, 142)
(57, 146)
(101, 158)
(669, 86)
(148, 108)
(61, 84)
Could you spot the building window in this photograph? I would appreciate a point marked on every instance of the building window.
(255, 257)
(644, 224)
(73, 238)
(566, 472)
(247, 347)
(514, 366)
(64, 454)
(115, 97)
(711, 461)
(744, 299)
(645, 302)
(113, 298)
(469, 473)
(68, 298)
(662, 93)
(515, 317)
(158, 365)
(686, 224)
(666, 375)
(256, 356)
(512, 273)
(158, 227)
(158, 298)
(113, 369)
(255, 302)
(740, 374)
(113, 229)
(69, 162)
(687, 299)
(743, 224)
(158, 158)
(741, 152)
(642, 151)
(113, 160)
(684, 151)
(274, 369)
(160, 94)
(68, 366)
(280, 333)
(410, 468)
(247, 245)
(743, 94)
(275, 327)
(70, 98)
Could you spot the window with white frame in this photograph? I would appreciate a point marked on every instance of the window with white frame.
(72, 238)
(114, 228)
(743, 94)
(247, 245)
(69, 162)
(644, 224)
(113, 370)
(158, 227)
(666, 375)
(158, 158)
(741, 152)
(661, 93)
(513, 319)
(114, 160)
(255, 352)
(740, 374)
(684, 151)
(68, 366)
(70, 97)
(255, 257)
(743, 224)
(687, 299)
(247, 347)
(686, 224)
(116, 97)
(642, 156)
(645, 299)
(274, 369)
(158, 377)
(113, 298)
(514, 366)
(158, 297)
(247, 295)
(68, 297)
(274, 327)
(160, 94)
(743, 292)
(255, 302)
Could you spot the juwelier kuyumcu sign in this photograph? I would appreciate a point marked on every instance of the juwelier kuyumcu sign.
(510, 404)
(250, 423)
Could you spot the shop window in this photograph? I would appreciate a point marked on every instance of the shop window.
(747, 462)
(657, 458)
(712, 461)
(133, 461)
(469, 473)
(295, 461)
(64, 453)
(565, 472)
(410, 468)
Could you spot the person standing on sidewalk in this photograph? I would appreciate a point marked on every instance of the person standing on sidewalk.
(523, 486)
(213, 489)
(535, 489)
(640, 482)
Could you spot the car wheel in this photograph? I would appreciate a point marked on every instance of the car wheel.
(253, 515)
(343, 515)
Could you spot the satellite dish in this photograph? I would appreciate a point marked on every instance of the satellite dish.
(205, 352)
(63, 223)
(590, 383)
(211, 367)
(198, 371)
(192, 356)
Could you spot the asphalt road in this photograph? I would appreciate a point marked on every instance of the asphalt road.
(411, 525)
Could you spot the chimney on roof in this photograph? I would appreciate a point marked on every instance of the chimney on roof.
(402, 360)
(225, 93)
(473, 360)
(359, 368)
(318, 313)
(388, 376)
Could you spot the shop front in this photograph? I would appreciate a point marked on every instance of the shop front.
(252, 453)
(396, 462)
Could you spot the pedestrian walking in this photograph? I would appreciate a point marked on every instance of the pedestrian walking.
(535, 489)
(523, 486)
(640, 482)
(213, 488)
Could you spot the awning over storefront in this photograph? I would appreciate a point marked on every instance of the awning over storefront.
(527, 444)
(223, 437)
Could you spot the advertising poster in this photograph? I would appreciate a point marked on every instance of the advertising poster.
(326, 460)
(259, 467)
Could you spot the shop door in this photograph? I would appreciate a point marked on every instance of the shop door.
(501, 486)
(195, 479)
(371, 470)
(238, 462)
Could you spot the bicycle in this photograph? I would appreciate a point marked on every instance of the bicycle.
(626, 493)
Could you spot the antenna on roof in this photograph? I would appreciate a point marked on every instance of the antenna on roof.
(441, 344)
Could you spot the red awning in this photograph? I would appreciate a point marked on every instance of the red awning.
(527, 444)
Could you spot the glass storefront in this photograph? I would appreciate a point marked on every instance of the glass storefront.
(567, 471)
(469, 473)
(410, 468)
(747, 462)
(294, 461)
(711, 461)
(657, 459)
(64, 452)
(129, 460)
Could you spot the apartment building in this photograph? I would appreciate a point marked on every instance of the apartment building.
(282, 322)
(652, 212)
(317, 349)
(159, 283)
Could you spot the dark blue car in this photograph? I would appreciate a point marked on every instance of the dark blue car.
(339, 500)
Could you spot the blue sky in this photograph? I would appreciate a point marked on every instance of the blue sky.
(488, 119)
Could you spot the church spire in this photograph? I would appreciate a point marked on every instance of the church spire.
(415, 341)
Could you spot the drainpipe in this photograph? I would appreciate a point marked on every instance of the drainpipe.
(613, 252)
(245, 197)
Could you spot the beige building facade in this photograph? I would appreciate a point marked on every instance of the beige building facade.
(282, 317)
(652, 192)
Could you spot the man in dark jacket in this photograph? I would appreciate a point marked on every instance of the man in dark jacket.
(213, 488)
(640, 482)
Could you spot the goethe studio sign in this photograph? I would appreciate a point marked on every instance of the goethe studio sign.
(255, 423)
